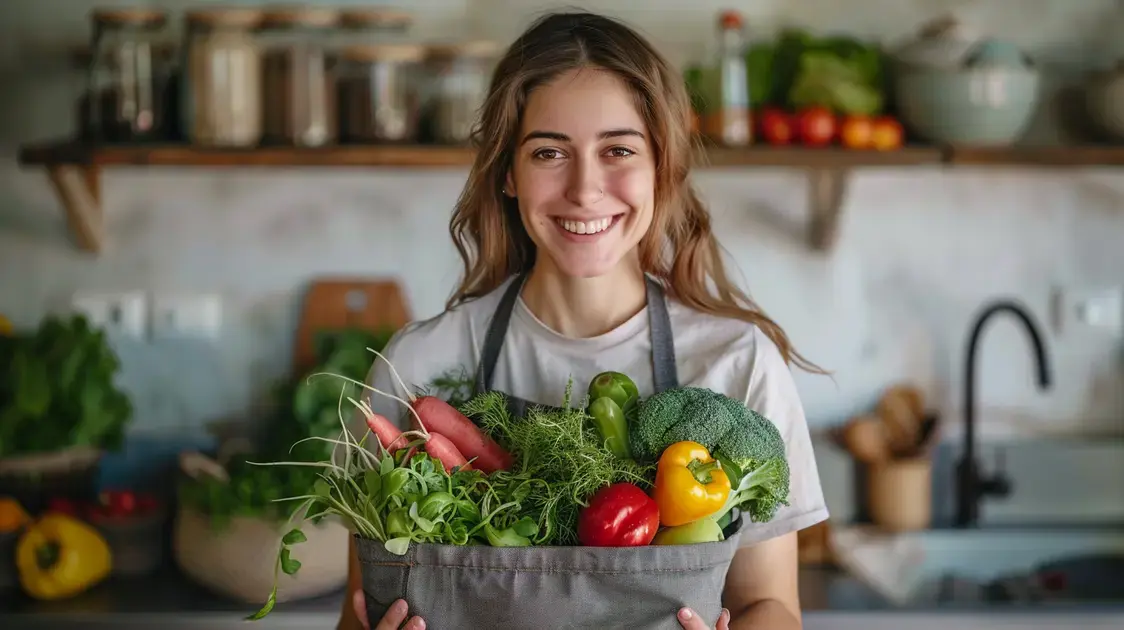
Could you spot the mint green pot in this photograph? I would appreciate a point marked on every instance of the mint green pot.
(983, 106)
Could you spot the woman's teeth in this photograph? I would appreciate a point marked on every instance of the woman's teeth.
(586, 227)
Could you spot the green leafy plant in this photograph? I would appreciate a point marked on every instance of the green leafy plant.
(305, 408)
(57, 390)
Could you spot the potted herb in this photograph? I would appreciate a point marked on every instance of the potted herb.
(231, 516)
(60, 410)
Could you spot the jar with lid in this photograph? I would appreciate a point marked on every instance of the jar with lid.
(459, 75)
(379, 92)
(128, 77)
(298, 80)
(222, 92)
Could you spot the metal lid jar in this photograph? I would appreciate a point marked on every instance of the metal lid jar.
(222, 93)
(379, 92)
(298, 76)
(459, 76)
(129, 68)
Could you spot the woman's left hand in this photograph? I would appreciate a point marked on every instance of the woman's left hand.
(690, 620)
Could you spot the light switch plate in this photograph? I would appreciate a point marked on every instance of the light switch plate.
(118, 314)
(184, 315)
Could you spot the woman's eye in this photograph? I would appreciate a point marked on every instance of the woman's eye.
(621, 152)
(547, 154)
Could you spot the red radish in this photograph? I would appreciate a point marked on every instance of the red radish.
(441, 417)
(433, 414)
(440, 447)
(388, 434)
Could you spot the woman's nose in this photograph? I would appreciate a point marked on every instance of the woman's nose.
(586, 186)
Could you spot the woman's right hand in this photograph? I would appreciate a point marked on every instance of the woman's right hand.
(393, 618)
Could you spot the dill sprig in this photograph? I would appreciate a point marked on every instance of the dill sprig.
(561, 447)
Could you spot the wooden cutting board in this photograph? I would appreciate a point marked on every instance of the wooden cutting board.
(333, 303)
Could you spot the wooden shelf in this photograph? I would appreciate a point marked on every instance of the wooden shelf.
(421, 156)
(184, 155)
(74, 168)
(1051, 157)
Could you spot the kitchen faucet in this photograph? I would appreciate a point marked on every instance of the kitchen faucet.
(971, 484)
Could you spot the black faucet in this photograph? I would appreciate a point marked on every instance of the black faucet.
(971, 484)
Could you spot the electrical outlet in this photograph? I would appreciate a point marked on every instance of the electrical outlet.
(1094, 309)
(118, 314)
(178, 316)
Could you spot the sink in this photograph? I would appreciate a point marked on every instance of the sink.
(973, 567)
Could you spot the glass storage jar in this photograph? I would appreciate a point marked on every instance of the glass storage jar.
(298, 80)
(222, 92)
(459, 76)
(128, 76)
(379, 92)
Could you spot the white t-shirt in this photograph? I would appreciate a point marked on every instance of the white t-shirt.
(725, 355)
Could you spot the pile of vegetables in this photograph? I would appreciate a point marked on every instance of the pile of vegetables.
(613, 470)
(798, 70)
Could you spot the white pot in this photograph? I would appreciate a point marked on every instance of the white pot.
(238, 560)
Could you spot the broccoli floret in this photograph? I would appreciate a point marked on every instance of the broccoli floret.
(748, 445)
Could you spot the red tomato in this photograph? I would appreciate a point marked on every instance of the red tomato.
(777, 126)
(63, 506)
(119, 502)
(817, 126)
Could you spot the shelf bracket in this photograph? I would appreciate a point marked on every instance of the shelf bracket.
(828, 188)
(79, 189)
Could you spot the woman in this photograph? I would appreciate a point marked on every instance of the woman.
(585, 249)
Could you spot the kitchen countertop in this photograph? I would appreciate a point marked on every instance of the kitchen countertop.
(169, 601)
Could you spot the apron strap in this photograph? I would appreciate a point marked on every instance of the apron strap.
(497, 330)
(665, 374)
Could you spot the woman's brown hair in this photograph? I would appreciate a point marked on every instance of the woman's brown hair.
(679, 249)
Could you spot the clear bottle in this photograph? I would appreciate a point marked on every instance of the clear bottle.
(727, 120)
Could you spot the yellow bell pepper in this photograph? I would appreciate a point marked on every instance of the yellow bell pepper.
(60, 556)
(690, 484)
(12, 515)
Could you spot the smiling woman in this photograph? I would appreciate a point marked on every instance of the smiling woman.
(585, 251)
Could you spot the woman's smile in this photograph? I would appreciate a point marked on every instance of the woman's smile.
(587, 230)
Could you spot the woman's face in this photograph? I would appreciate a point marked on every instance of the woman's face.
(583, 173)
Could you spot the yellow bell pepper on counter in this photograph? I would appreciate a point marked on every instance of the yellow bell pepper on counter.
(60, 556)
(690, 484)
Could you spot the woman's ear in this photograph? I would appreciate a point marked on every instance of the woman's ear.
(509, 185)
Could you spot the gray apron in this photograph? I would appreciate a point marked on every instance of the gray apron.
(548, 588)
(664, 373)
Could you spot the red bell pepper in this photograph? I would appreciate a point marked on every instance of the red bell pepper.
(620, 515)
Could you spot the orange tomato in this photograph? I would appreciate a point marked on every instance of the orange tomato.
(857, 132)
(887, 133)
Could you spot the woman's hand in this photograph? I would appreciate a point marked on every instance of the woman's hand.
(690, 620)
(393, 618)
